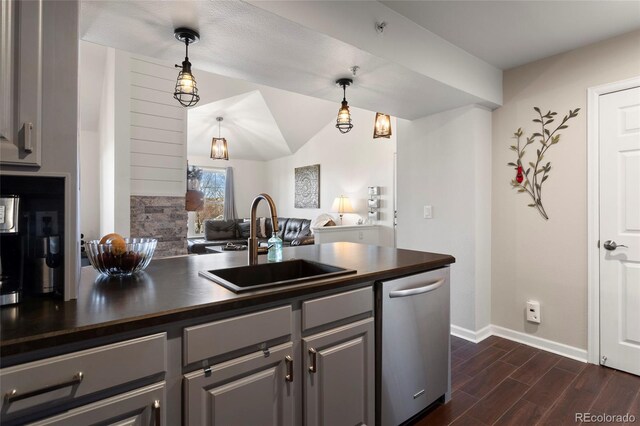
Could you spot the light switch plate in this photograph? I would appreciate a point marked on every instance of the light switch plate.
(428, 212)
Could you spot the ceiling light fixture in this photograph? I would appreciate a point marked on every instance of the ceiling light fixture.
(382, 126)
(186, 91)
(344, 117)
(219, 145)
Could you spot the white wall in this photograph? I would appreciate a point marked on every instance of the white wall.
(533, 258)
(107, 148)
(444, 160)
(349, 164)
(89, 154)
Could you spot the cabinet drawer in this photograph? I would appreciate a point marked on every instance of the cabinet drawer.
(325, 310)
(224, 336)
(141, 407)
(48, 382)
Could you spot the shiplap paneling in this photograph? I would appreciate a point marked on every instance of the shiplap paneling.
(158, 174)
(154, 69)
(157, 135)
(143, 80)
(157, 131)
(160, 148)
(152, 95)
(156, 122)
(146, 107)
(158, 188)
(158, 160)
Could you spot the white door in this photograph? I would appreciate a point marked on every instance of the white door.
(619, 125)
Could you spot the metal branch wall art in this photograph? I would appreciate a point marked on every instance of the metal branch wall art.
(530, 180)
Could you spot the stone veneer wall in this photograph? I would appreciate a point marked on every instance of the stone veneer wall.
(163, 218)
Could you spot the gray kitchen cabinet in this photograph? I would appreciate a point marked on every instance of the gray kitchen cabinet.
(141, 407)
(51, 385)
(21, 82)
(255, 389)
(339, 375)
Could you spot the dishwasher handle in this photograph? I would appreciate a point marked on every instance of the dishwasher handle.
(413, 291)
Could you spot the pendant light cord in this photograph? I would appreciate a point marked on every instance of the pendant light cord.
(344, 93)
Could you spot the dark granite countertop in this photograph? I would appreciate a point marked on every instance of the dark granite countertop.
(171, 290)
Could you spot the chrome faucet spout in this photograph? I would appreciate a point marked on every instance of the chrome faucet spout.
(253, 239)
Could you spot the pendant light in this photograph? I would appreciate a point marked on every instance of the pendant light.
(186, 91)
(219, 145)
(382, 126)
(343, 123)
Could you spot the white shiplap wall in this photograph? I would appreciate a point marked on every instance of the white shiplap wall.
(158, 130)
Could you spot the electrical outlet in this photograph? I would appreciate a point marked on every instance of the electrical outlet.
(428, 212)
(533, 311)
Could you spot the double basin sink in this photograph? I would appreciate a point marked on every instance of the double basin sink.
(257, 277)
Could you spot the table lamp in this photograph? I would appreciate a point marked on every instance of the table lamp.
(342, 205)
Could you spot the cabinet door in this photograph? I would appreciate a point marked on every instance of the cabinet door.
(20, 82)
(141, 407)
(253, 390)
(339, 376)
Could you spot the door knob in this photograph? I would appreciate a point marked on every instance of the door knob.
(611, 245)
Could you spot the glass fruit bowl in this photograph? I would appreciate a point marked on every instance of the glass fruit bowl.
(108, 260)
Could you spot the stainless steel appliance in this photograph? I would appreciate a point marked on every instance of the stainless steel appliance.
(46, 265)
(413, 342)
(11, 250)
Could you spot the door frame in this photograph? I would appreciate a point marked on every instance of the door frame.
(593, 211)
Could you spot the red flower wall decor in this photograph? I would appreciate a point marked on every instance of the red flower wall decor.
(531, 179)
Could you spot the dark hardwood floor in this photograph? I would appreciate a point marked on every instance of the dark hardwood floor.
(500, 382)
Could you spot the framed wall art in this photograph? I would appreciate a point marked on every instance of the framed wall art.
(307, 191)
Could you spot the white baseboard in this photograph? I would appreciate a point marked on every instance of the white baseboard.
(517, 336)
(472, 336)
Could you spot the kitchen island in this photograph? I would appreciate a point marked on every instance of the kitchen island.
(192, 325)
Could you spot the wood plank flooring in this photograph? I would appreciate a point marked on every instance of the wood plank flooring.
(500, 382)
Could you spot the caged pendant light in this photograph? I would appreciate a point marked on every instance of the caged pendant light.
(343, 123)
(382, 126)
(186, 91)
(219, 145)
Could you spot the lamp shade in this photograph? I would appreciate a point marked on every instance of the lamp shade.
(219, 149)
(382, 126)
(342, 205)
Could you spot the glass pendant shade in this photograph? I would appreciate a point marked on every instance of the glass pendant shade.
(344, 118)
(382, 126)
(219, 149)
(343, 123)
(186, 91)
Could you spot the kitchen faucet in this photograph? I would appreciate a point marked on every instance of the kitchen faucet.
(253, 240)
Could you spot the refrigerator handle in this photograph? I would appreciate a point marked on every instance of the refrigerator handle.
(413, 291)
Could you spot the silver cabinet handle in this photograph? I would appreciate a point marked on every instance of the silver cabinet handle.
(611, 245)
(156, 412)
(13, 395)
(28, 128)
(413, 291)
(289, 361)
(313, 368)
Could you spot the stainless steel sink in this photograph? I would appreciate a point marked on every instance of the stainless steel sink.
(254, 277)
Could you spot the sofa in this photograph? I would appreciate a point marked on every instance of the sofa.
(292, 231)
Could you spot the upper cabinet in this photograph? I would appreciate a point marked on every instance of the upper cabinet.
(21, 82)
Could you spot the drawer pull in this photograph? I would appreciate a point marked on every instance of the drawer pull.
(289, 361)
(156, 412)
(313, 368)
(13, 394)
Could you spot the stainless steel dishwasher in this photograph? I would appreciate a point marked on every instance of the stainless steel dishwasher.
(412, 338)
